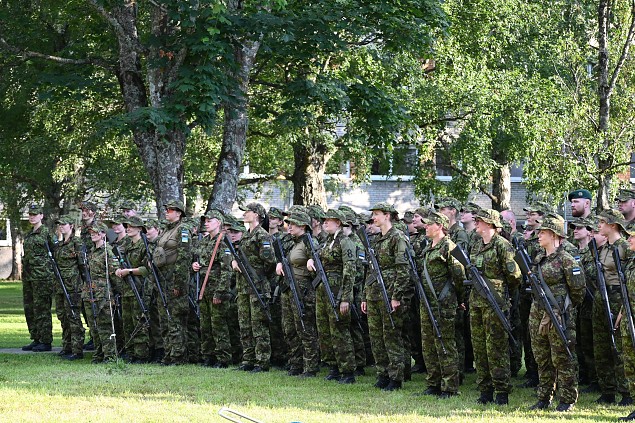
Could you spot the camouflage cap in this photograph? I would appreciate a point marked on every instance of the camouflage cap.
(365, 217)
(507, 227)
(593, 223)
(176, 204)
(630, 230)
(256, 208)
(625, 195)
(65, 219)
(295, 208)
(316, 212)
(386, 207)
(580, 193)
(438, 218)
(553, 223)
(422, 211)
(613, 217)
(214, 214)
(578, 222)
(448, 202)
(299, 218)
(336, 214)
(115, 220)
(408, 216)
(346, 208)
(350, 216)
(191, 223)
(128, 205)
(35, 209)
(229, 220)
(489, 216)
(152, 223)
(135, 222)
(538, 207)
(98, 227)
(87, 205)
(275, 213)
(238, 225)
(470, 207)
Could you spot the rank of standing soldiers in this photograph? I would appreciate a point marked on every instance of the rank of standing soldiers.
(439, 291)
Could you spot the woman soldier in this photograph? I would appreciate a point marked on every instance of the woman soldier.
(442, 277)
(493, 256)
(627, 343)
(386, 326)
(299, 330)
(338, 255)
(68, 256)
(609, 366)
(564, 281)
(256, 247)
(215, 344)
(98, 295)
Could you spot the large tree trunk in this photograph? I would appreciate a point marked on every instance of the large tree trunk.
(16, 248)
(311, 156)
(501, 188)
(235, 128)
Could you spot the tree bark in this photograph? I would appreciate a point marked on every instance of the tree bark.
(16, 248)
(501, 188)
(311, 156)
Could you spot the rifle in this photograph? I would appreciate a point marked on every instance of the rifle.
(604, 296)
(543, 295)
(197, 277)
(132, 281)
(155, 273)
(421, 294)
(248, 273)
(626, 304)
(376, 273)
(58, 275)
(321, 276)
(288, 275)
(483, 288)
(88, 280)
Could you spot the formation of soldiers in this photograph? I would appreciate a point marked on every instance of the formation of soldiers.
(447, 290)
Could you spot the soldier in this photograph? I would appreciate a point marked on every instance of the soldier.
(564, 281)
(626, 204)
(609, 366)
(387, 343)
(102, 264)
(155, 339)
(627, 343)
(128, 208)
(338, 256)
(118, 238)
(279, 347)
(317, 218)
(135, 322)
(235, 231)
(38, 283)
(254, 324)
(68, 258)
(493, 256)
(88, 217)
(442, 277)
(172, 256)
(580, 203)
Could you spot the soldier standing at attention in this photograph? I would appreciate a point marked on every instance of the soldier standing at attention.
(580, 203)
(627, 343)
(564, 281)
(279, 345)
(626, 204)
(172, 258)
(493, 256)
(38, 283)
(254, 324)
(387, 342)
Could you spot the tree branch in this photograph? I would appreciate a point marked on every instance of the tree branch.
(63, 60)
(625, 49)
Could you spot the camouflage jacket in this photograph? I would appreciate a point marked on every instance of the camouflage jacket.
(446, 274)
(69, 260)
(459, 237)
(339, 258)
(360, 265)
(473, 237)
(418, 241)
(287, 242)
(495, 261)
(298, 255)
(605, 253)
(172, 256)
(202, 252)
(97, 267)
(36, 261)
(390, 251)
(563, 275)
(137, 258)
(590, 271)
(257, 248)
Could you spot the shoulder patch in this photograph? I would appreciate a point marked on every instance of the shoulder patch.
(576, 271)
(511, 266)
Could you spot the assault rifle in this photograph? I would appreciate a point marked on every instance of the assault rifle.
(321, 275)
(88, 281)
(484, 289)
(375, 270)
(58, 276)
(132, 281)
(248, 273)
(604, 296)
(155, 273)
(626, 304)
(288, 275)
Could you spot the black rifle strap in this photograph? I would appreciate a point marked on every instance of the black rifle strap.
(428, 281)
(548, 293)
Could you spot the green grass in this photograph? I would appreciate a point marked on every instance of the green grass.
(42, 387)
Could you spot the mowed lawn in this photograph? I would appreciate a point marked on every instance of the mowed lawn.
(42, 387)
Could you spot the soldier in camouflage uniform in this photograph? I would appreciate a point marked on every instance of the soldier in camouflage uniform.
(68, 256)
(299, 327)
(235, 231)
(626, 204)
(442, 276)
(563, 281)
(172, 257)
(387, 342)
(279, 347)
(155, 338)
(338, 255)
(610, 368)
(316, 213)
(493, 256)
(627, 344)
(135, 323)
(118, 239)
(38, 283)
(102, 264)
(254, 324)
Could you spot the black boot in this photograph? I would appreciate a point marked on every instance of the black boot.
(382, 382)
(529, 383)
(393, 385)
(90, 345)
(334, 374)
(42, 347)
(359, 371)
(626, 400)
(606, 399)
(540, 405)
(432, 390)
(446, 395)
(486, 397)
(30, 346)
(628, 418)
(347, 378)
(563, 407)
(502, 398)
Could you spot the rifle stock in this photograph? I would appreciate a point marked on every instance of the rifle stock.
(59, 278)
(321, 276)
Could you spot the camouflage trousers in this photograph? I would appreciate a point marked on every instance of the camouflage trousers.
(304, 353)
(174, 328)
(491, 350)
(516, 351)
(38, 299)
(359, 331)
(72, 328)
(215, 342)
(155, 339)
(336, 345)
(254, 331)
(101, 326)
(524, 307)
(386, 341)
(135, 329)
(628, 353)
(193, 333)
(584, 346)
(279, 347)
(555, 367)
(234, 331)
(442, 367)
(610, 369)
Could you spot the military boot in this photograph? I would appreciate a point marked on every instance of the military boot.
(486, 397)
(42, 347)
(382, 382)
(30, 346)
(540, 405)
(502, 398)
(347, 378)
(626, 400)
(393, 385)
(563, 407)
(334, 374)
(606, 399)
(628, 418)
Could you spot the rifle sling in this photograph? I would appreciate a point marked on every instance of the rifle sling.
(428, 281)
(550, 297)
(221, 235)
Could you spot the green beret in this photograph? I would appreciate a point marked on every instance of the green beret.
(580, 193)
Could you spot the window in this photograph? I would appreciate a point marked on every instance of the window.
(402, 163)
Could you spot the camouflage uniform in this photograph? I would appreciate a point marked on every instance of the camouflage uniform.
(118, 288)
(460, 237)
(627, 345)
(584, 331)
(495, 261)
(38, 285)
(359, 325)
(155, 337)
(445, 276)
(68, 258)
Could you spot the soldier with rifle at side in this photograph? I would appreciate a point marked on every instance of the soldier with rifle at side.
(279, 347)
(628, 331)
(155, 339)
(235, 230)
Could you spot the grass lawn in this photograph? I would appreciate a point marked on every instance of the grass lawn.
(42, 387)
